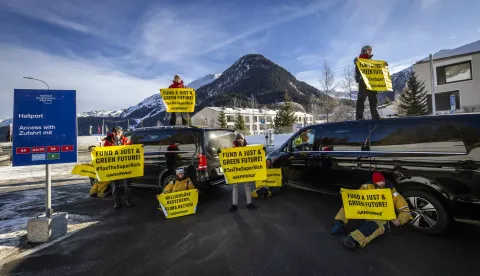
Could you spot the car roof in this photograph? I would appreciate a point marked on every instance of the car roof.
(436, 118)
(180, 128)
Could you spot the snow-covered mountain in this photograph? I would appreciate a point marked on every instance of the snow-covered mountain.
(5, 121)
(101, 113)
(149, 107)
(203, 81)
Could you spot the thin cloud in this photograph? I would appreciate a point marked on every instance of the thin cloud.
(97, 87)
(296, 14)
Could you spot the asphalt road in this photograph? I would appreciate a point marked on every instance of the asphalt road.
(287, 235)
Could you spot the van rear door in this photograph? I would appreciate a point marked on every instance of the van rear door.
(215, 140)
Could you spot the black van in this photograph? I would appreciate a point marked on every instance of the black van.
(197, 152)
(434, 161)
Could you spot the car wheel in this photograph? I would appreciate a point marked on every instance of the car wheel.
(430, 216)
(166, 180)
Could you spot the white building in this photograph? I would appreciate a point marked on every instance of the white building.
(256, 120)
(456, 72)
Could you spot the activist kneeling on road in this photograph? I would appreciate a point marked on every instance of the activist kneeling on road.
(116, 138)
(180, 183)
(371, 229)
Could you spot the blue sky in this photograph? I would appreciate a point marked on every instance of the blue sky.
(115, 53)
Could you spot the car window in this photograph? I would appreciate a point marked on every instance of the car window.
(217, 139)
(413, 136)
(188, 140)
(303, 141)
(344, 138)
(151, 140)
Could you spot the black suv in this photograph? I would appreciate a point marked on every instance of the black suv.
(434, 161)
(196, 151)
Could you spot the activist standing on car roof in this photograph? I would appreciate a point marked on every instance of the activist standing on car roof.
(116, 138)
(180, 183)
(241, 142)
(371, 229)
(363, 92)
(178, 83)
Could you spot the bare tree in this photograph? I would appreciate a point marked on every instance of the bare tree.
(327, 82)
(350, 85)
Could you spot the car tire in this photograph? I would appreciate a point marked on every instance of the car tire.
(166, 180)
(430, 216)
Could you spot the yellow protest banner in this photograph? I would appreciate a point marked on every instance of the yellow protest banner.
(375, 74)
(243, 164)
(118, 162)
(368, 204)
(84, 170)
(274, 179)
(178, 99)
(179, 203)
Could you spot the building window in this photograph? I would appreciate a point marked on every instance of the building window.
(255, 119)
(269, 119)
(247, 119)
(442, 101)
(254, 127)
(454, 73)
(230, 118)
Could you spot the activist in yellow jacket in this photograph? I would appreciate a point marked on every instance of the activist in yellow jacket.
(180, 183)
(371, 229)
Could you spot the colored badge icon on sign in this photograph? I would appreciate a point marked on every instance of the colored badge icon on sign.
(38, 157)
(53, 156)
(53, 149)
(22, 150)
(38, 149)
(67, 148)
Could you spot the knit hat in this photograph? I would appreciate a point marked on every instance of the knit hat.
(180, 170)
(377, 177)
(177, 76)
(240, 136)
(365, 48)
(117, 128)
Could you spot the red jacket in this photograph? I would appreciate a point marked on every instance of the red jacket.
(110, 140)
(177, 85)
(365, 56)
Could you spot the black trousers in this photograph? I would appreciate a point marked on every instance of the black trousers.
(185, 118)
(117, 197)
(363, 94)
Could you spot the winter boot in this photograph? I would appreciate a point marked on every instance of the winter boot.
(337, 228)
(117, 205)
(233, 208)
(251, 206)
(349, 243)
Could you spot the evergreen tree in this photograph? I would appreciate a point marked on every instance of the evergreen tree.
(413, 100)
(285, 115)
(239, 123)
(222, 119)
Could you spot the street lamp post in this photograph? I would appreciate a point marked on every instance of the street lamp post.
(48, 169)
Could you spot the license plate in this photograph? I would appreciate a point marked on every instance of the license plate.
(219, 171)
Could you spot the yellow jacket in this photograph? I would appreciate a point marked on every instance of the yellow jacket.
(177, 185)
(401, 205)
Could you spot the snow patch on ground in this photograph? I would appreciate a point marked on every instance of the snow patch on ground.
(16, 208)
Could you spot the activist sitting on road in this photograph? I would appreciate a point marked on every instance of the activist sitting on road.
(241, 142)
(116, 138)
(178, 83)
(363, 92)
(371, 229)
(265, 191)
(180, 183)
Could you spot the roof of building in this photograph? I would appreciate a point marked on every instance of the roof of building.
(467, 49)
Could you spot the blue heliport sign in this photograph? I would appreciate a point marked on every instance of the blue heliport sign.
(44, 127)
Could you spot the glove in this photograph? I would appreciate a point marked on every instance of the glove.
(386, 63)
(218, 151)
(264, 149)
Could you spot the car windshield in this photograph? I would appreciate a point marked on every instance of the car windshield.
(217, 139)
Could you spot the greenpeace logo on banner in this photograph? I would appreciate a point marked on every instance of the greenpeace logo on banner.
(46, 99)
